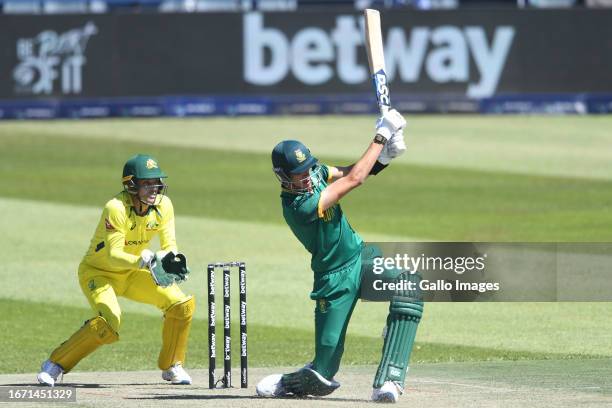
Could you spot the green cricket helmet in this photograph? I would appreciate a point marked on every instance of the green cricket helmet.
(144, 167)
(291, 157)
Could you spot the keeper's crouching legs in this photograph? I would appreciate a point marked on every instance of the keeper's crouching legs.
(94, 333)
(175, 333)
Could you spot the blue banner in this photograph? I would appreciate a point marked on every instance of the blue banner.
(188, 106)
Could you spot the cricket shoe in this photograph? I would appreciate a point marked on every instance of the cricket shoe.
(301, 383)
(176, 375)
(389, 392)
(271, 386)
(49, 373)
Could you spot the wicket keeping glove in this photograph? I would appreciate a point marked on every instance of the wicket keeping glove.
(169, 268)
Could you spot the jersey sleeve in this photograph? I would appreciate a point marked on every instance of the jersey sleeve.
(326, 173)
(167, 235)
(116, 225)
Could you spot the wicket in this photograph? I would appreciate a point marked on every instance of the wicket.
(226, 380)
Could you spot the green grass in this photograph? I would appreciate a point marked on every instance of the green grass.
(140, 339)
(279, 283)
(419, 201)
(571, 146)
(464, 178)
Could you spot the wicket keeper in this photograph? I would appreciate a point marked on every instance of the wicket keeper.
(309, 197)
(120, 263)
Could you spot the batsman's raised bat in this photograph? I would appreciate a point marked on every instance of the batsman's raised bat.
(376, 58)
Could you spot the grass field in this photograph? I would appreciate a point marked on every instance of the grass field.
(463, 178)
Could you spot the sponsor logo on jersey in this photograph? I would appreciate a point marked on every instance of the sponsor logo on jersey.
(137, 242)
(152, 225)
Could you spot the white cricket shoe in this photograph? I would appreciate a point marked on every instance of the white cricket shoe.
(270, 386)
(176, 375)
(389, 392)
(49, 373)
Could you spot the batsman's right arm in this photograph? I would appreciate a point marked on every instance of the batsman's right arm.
(357, 175)
(389, 125)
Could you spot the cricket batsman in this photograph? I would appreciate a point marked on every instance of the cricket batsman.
(309, 197)
(120, 263)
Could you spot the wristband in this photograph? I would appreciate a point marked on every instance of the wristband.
(380, 139)
(377, 168)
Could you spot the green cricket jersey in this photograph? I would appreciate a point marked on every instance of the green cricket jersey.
(327, 235)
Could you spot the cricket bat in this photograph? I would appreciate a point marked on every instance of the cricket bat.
(376, 58)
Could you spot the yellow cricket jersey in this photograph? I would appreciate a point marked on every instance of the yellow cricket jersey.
(121, 234)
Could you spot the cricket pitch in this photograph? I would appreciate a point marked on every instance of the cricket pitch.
(551, 383)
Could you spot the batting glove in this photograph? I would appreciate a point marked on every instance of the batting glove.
(396, 145)
(384, 157)
(146, 257)
(389, 123)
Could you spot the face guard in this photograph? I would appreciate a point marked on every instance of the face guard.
(147, 194)
(296, 186)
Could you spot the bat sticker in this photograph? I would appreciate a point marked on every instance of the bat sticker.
(381, 88)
